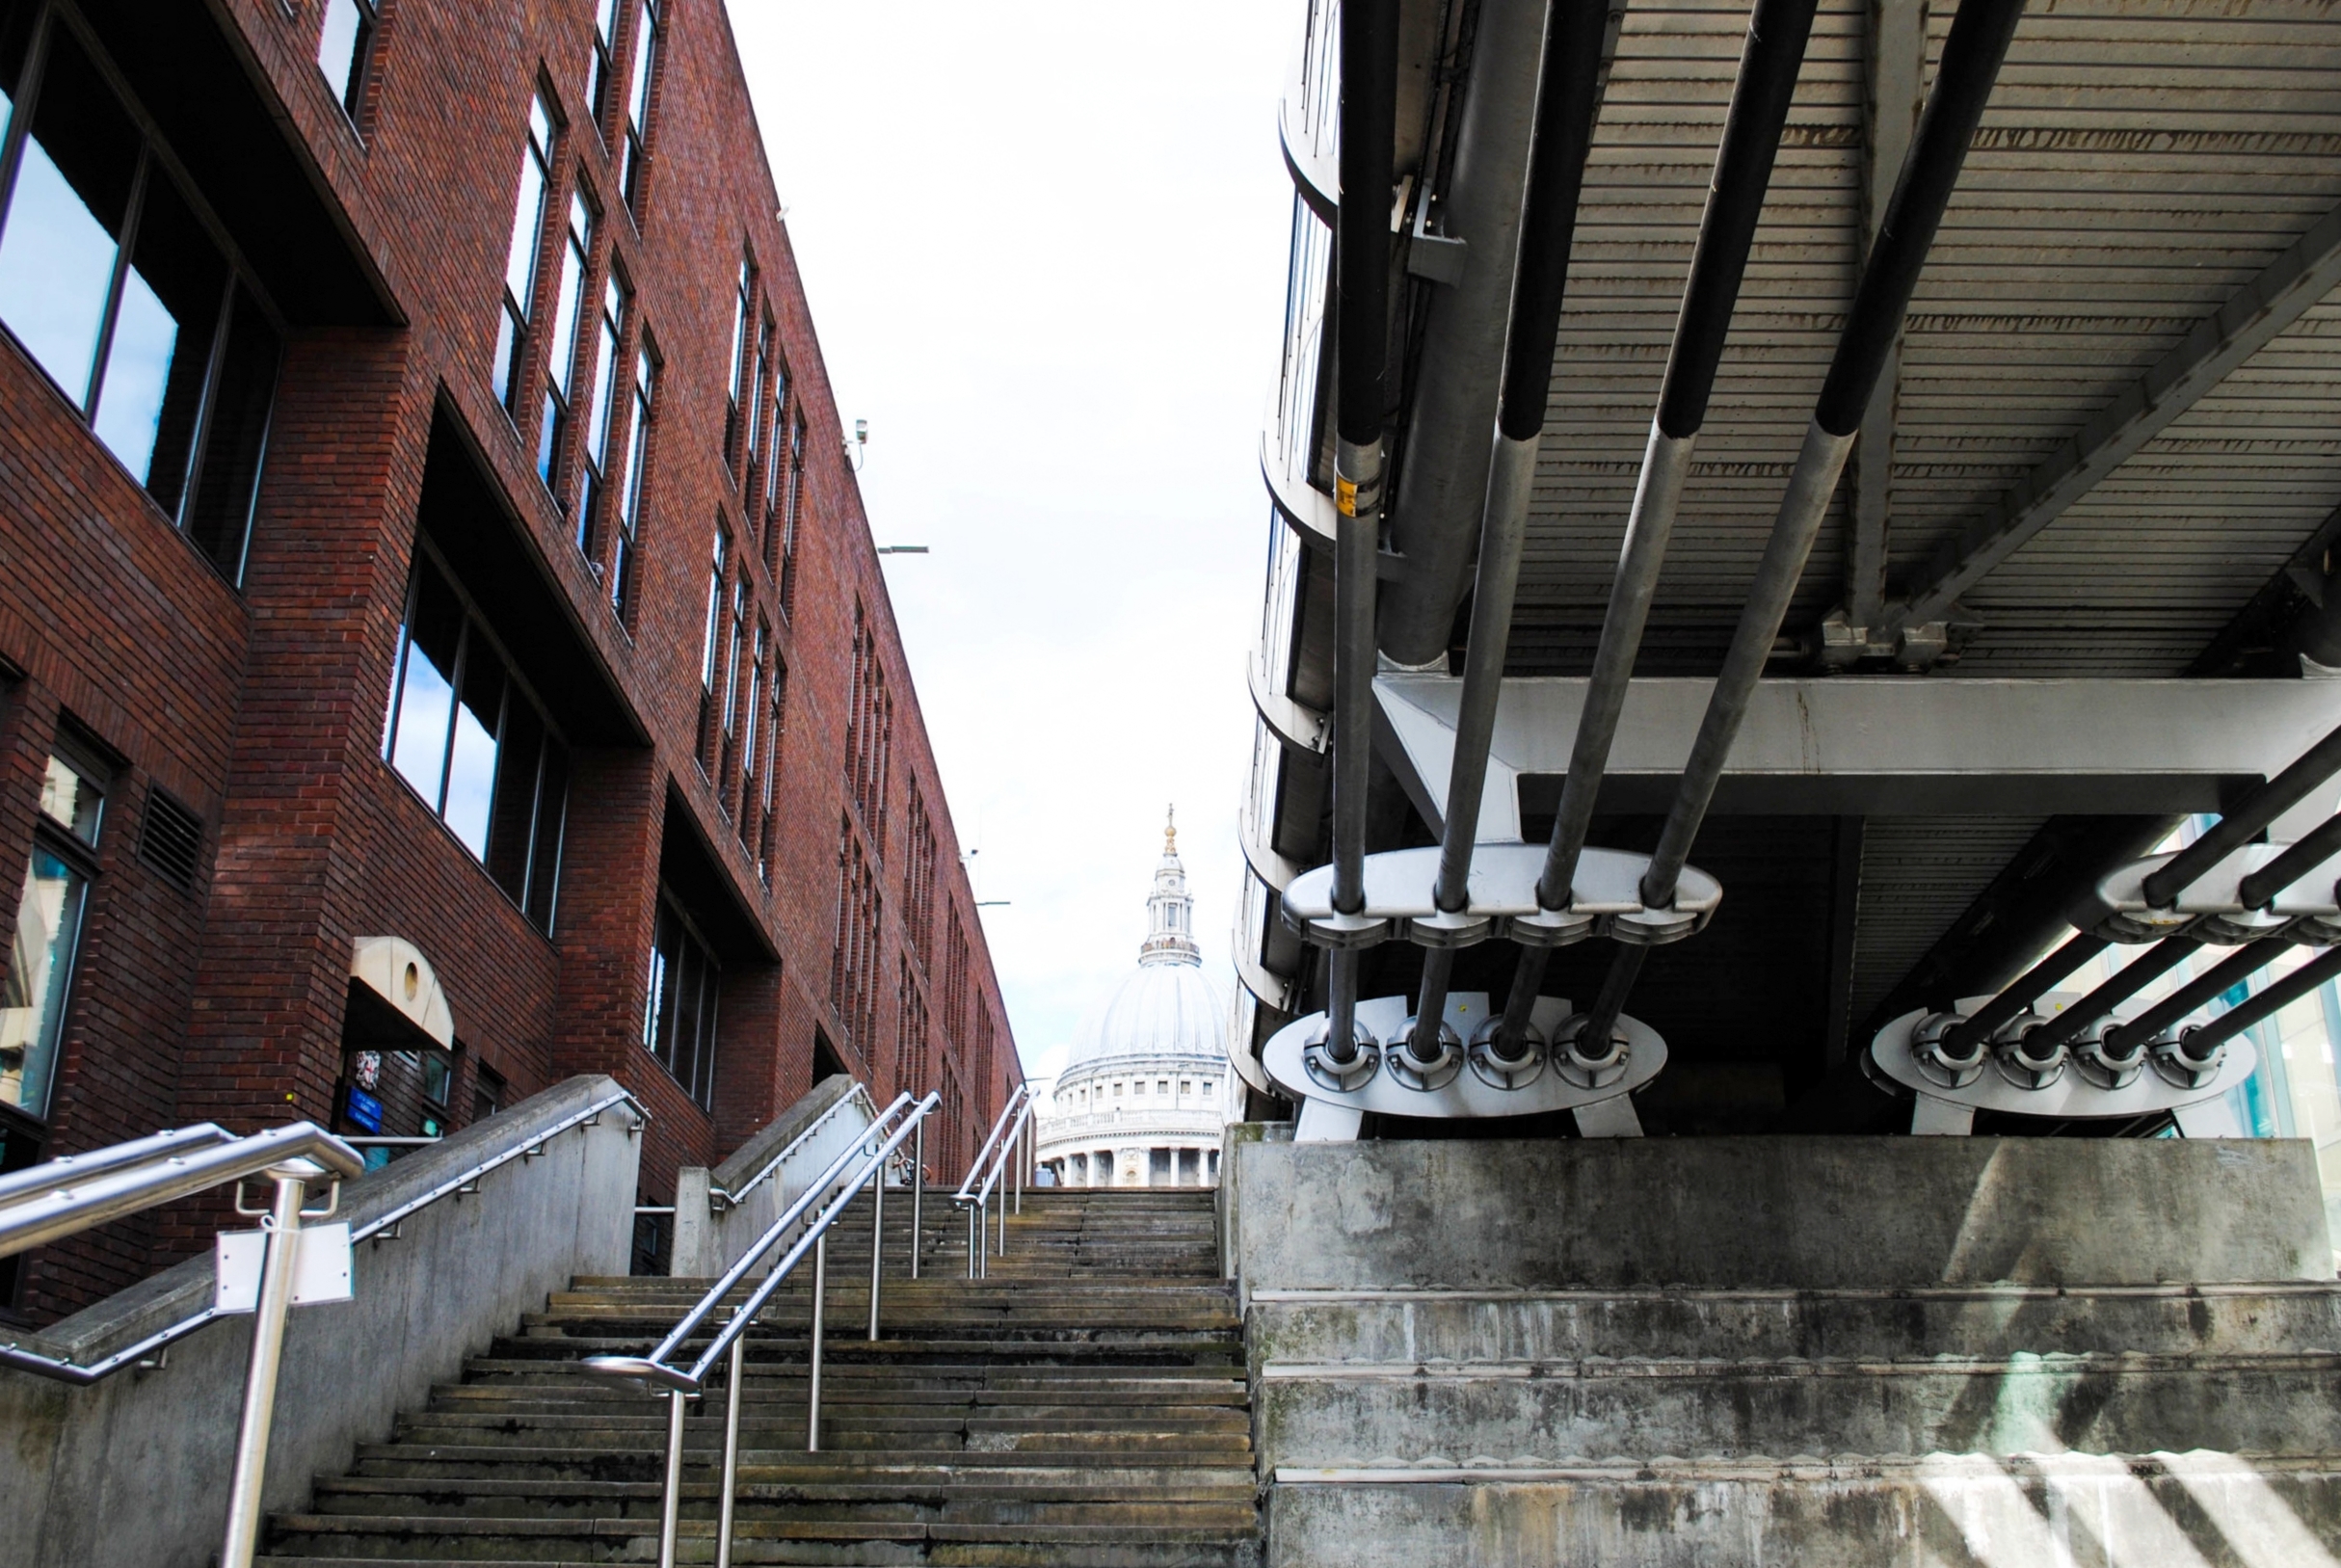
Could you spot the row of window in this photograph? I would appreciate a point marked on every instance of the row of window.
(115, 280)
(1094, 1096)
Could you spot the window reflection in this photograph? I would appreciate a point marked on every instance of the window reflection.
(679, 1021)
(37, 980)
(116, 287)
(472, 742)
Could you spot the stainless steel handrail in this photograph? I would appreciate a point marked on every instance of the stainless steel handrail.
(1015, 1120)
(682, 1385)
(860, 1094)
(81, 1374)
(120, 1157)
(148, 1172)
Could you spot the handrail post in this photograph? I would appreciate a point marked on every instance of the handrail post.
(877, 1242)
(735, 1391)
(280, 1260)
(971, 1242)
(669, 1511)
(812, 1381)
(1023, 1150)
(917, 1191)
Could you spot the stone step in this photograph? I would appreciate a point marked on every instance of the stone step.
(429, 1538)
(1154, 1438)
(1218, 1507)
(1639, 1407)
(1124, 1472)
(556, 1383)
(1130, 1348)
(1431, 1327)
(1940, 1510)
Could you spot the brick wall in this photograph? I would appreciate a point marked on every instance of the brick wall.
(262, 705)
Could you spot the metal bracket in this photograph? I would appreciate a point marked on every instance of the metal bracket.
(1606, 899)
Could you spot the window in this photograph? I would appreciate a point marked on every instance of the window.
(345, 49)
(749, 735)
(638, 150)
(772, 765)
(756, 398)
(569, 320)
(775, 462)
(475, 745)
(520, 305)
(918, 872)
(910, 1030)
(734, 638)
(740, 307)
(707, 656)
(869, 724)
(600, 411)
(637, 464)
(605, 63)
(42, 949)
(788, 516)
(678, 1020)
(853, 976)
(116, 283)
(439, 1077)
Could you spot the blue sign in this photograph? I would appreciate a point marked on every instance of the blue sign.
(363, 1108)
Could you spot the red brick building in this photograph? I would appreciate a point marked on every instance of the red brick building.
(424, 516)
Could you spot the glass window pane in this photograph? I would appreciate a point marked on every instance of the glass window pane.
(163, 330)
(72, 195)
(426, 698)
(516, 798)
(40, 969)
(566, 305)
(235, 435)
(605, 356)
(528, 212)
(479, 716)
(552, 814)
(71, 801)
(341, 50)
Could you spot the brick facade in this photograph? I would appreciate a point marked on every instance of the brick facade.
(261, 704)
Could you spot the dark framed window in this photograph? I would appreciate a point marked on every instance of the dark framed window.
(754, 411)
(468, 735)
(791, 507)
(678, 1019)
(707, 654)
(627, 550)
(605, 62)
(530, 208)
(345, 50)
(38, 982)
(735, 636)
(636, 154)
(602, 393)
(767, 506)
(568, 325)
(117, 282)
(779, 686)
(750, 736)
(742, 309)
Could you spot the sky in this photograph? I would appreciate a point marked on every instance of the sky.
(1043, 242)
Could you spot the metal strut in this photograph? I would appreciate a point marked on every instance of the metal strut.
(1769, 61)
(1971, 55)
(1566, 102)
(1369, 108)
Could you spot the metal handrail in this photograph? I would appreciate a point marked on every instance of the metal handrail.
(81, 1374)
(682, 1385)
(161, 1177)
(860, 1094)
(148, 1172)
(1015, 1121)
(120, 1157)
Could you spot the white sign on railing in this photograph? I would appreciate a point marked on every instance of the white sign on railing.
(321, 1272)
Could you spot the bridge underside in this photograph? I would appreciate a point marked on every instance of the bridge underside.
(2101, 454)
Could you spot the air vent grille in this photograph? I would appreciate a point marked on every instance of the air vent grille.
(171, 839)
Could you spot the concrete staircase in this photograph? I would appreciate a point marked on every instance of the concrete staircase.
(1085, 1406)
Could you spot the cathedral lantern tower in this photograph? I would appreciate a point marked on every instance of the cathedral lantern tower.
(1147, 1086)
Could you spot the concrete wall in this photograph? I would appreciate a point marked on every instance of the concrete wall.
(133, 1470)
(1814, 1213)
(708, 1240)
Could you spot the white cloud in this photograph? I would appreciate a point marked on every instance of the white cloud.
(1044, 243)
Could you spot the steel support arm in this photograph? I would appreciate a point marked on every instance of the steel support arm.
(1980, 36)
(2266, 1003)
(1362, 262)
(1777, 32)
(2246, 821)
(1567, 99)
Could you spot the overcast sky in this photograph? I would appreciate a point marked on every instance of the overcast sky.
(1043, 242)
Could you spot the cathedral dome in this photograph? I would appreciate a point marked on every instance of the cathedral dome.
(1167, 1006)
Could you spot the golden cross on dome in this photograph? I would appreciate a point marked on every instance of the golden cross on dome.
(1170, 831)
